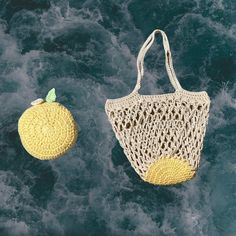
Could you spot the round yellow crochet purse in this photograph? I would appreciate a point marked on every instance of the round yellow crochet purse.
(162, 135)
(47, 129)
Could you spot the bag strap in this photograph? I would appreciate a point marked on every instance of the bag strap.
(168, 60)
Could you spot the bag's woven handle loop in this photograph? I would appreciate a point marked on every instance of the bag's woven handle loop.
(168, 60)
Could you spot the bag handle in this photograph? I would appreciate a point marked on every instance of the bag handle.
(168, 60)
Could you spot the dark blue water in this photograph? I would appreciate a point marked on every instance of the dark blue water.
(87, 50)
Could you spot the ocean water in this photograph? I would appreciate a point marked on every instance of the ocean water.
(87, 50)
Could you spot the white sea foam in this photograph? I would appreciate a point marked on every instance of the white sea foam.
(16, 228)
(224, 99)
(16, 71)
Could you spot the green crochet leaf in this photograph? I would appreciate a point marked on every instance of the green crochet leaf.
(51, 96)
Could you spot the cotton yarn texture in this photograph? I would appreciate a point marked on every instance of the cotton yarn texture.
(47, 130)
(162, 135)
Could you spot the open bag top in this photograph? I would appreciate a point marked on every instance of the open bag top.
(162, 135)
(179, 91)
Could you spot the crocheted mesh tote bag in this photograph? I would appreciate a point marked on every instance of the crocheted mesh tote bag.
(162, 135)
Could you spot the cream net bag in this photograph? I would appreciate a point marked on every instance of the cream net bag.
(162, 135)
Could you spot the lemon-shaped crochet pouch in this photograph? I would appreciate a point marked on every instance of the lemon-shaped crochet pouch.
(162, 135)
(168, 171)
(47, 129)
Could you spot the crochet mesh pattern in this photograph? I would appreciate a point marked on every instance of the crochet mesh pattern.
(162, 135)
(47, 130)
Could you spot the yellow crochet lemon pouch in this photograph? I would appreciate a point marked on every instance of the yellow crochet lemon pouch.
(162, 135)
(47, 129)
